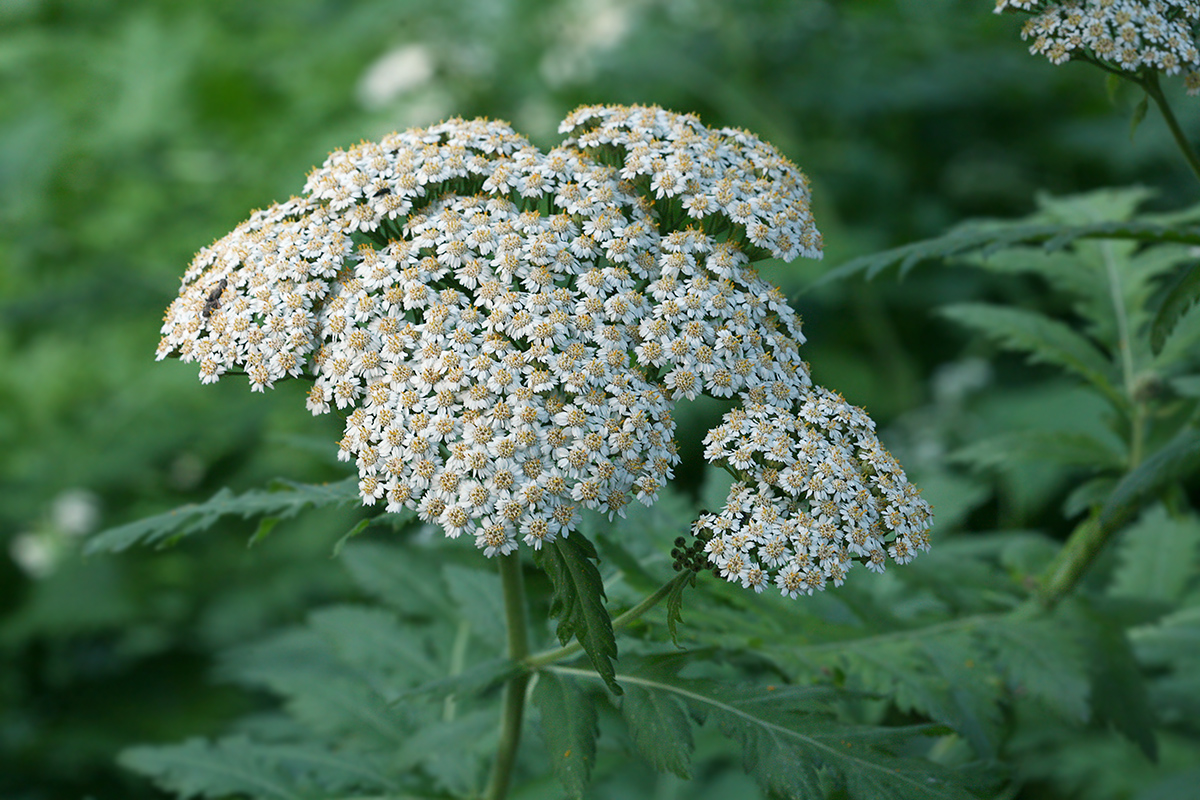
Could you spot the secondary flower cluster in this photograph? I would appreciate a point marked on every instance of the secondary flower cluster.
(818, 493)
(1125, 34)
(508, 330)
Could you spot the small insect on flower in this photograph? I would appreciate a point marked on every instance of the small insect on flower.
(213, 301)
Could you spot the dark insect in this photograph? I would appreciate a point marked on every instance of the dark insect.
(213, 302)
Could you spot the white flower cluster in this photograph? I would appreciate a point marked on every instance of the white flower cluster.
(512, 328)
(819, 492)
(1126, 34)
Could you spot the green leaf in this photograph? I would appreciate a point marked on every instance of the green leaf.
(1157, 557)
(792, 744)
(675, 603)
(661, 730)
(477, 594)
(320, 690)
(1059, 447)
(568, 727)
(1042, 658)
(283, 499)
(358, 528)
(1179, 459)
(1182, 296)
(238, 766)
(405, 578)
(1044, 339)
(451, 751)
(1119, 695)
(578, 602)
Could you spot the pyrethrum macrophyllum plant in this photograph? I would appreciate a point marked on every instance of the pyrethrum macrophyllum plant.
(506, 333)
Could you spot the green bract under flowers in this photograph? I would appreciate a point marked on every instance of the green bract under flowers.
(512, 329)
(1127, 35)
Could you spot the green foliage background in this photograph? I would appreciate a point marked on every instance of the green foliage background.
(133, 132)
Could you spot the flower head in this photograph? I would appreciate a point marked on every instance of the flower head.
(1128, 35)
(507, 331)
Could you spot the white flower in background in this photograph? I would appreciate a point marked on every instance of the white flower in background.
(1128, 35)
(396, 73)
(507, 332)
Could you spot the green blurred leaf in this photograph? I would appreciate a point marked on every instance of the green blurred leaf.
(1157, 557)
(1041, 658)
(1059, 447)
(238, 766)
(1043, 339)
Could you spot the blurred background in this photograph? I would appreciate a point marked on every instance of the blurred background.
(134, 132)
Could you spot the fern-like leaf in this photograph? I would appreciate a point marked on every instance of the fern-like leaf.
(578, 603)
(282, 499)
(991, 236)
(569, 729)
(239, 767)
(1043, 339)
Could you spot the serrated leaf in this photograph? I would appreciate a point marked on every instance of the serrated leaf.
(660, 728)
(402, 577)
(1043, 339)
(1182, 296)
(1157, 557)
(237, 766)
(791, 743)
(283, 499)
(578, 602)
(569, 729)
(1041, 658)
(1059, 447)
(1180, 458)
(319, 690)
(376, 645)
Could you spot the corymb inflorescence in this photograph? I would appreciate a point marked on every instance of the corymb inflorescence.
(507, 332)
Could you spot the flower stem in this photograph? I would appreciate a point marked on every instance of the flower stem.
(1150, 83)
(547, 657)
(513, 584)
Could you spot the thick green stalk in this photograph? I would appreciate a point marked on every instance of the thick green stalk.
(1073, 560)
(513, 713)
